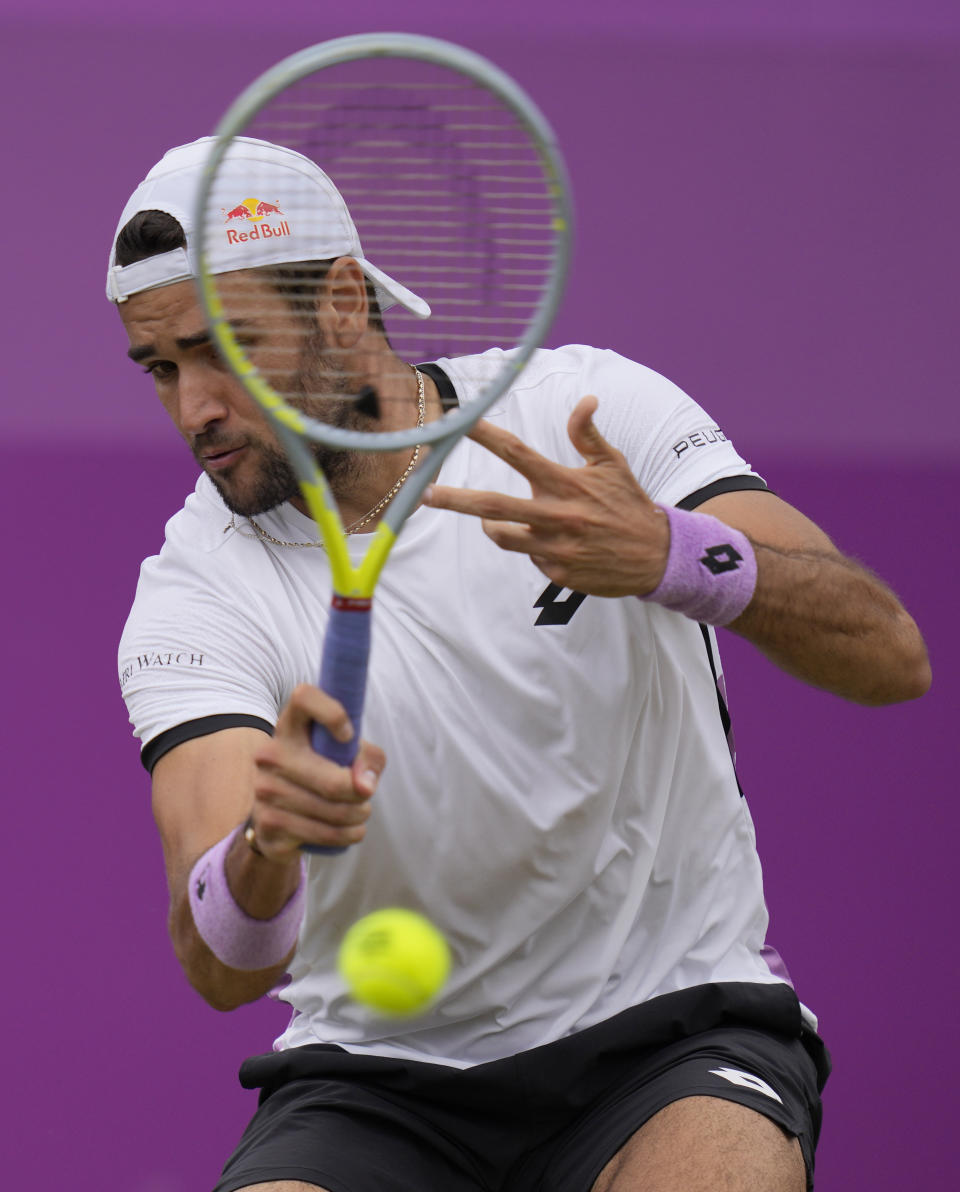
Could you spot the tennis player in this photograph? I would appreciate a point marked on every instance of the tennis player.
(547, 774)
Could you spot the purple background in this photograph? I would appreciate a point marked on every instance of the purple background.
(767, 198)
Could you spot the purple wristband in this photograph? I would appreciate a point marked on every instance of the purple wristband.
(233, 936)
(711, 569)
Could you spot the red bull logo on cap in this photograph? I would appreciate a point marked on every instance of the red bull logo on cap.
(255, 211)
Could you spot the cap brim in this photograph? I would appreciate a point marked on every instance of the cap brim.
(394, 291)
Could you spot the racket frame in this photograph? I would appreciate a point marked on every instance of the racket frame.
(346, 642)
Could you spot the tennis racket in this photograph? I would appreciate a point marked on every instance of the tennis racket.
(456, 187)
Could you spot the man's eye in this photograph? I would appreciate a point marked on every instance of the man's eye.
(160, 370)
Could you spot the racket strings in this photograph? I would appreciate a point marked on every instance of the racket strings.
(450, 197)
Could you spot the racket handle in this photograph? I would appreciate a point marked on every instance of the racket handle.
(343, 674)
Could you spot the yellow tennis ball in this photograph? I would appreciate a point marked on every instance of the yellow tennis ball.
(394, 961)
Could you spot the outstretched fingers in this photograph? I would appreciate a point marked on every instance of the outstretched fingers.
(583, 434)
(547, 478)
(479, 503)
(513, 451)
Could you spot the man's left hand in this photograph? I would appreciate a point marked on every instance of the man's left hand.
(592, 529)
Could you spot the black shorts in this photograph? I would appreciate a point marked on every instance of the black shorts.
(546, 1120)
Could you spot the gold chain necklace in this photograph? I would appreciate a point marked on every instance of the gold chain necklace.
(381, 504)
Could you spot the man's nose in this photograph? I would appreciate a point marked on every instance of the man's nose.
(202, 400)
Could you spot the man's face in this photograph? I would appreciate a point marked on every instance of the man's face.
(224, 427)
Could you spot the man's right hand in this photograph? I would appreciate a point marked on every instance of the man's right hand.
(300, 797)
(206, 787)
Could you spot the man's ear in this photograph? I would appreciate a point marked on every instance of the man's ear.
(343, 310)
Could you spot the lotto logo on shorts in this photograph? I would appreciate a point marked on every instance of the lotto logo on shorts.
(254, 212)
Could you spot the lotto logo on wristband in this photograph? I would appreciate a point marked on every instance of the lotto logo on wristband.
(685, 587)
(719, 559)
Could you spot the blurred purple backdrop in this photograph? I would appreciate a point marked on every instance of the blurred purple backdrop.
(767, 198)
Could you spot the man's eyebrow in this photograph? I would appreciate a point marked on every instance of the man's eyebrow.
(184, 343)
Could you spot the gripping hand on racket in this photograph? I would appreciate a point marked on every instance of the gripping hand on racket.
(302, 797)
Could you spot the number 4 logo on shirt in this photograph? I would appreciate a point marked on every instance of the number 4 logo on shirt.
(554, 611)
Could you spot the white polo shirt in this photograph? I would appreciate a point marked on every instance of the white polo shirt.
(559, 795)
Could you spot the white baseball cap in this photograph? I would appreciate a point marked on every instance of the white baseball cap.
(278, 207)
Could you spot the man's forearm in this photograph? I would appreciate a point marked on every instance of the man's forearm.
(825, 619)
(261, 889)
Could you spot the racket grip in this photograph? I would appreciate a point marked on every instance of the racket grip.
(343, 674)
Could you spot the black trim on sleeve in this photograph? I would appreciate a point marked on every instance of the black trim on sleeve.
(448, 395)
(729, 484)
(154, 750)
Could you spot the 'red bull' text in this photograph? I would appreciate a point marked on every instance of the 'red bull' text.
(258, 232)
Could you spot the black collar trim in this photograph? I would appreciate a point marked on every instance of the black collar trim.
(448, 395)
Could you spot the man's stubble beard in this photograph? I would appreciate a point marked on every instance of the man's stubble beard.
(276, 482)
